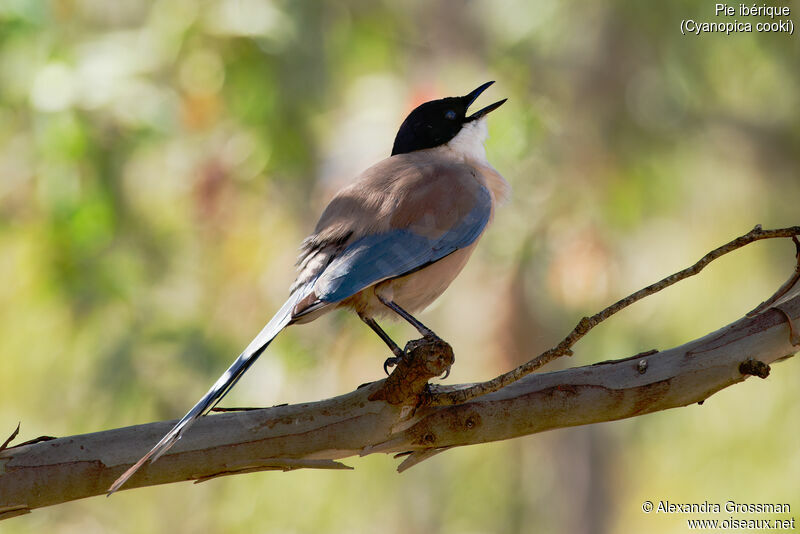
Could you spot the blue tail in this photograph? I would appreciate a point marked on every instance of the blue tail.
(220, 387)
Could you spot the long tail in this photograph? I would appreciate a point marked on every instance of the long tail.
(220, 387)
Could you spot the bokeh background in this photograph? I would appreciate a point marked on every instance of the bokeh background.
(160, 163)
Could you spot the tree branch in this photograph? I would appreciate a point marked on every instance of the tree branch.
(399, 415)
(583, 327)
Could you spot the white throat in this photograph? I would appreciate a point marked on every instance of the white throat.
(468, 144)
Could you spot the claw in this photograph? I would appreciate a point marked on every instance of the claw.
(390, 362)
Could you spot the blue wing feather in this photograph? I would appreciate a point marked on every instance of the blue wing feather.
(378, 257)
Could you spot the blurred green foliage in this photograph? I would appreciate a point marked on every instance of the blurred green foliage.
(160, 163)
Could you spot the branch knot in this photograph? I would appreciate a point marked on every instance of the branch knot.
(754, 368)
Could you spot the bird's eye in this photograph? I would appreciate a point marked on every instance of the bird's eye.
(450, 115)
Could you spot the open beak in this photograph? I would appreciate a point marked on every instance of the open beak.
(471, 97)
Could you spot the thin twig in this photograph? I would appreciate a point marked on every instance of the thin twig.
(587, 323)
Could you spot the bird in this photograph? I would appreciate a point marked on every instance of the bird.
(388, 244)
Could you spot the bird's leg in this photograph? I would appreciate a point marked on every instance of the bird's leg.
(421, 328)
(398, 352)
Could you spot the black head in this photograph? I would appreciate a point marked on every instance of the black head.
(436, 122)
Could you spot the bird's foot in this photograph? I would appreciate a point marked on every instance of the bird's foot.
(429, 341)
(422, 359)
(399, 356)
